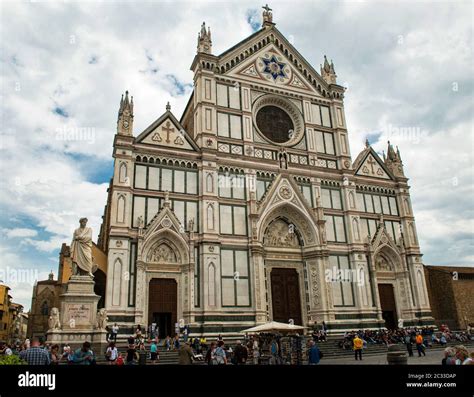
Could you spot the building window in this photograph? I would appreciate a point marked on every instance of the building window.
(140, 176)
(275, 124)
(321, 115)
(166, 179)
(262, 186)
(307, 192)
(185, 211)
(229, 125)
(369, 227)
(228, 96)
(233, 219)
(331, 198)
(45, 308)
(325, 142)
(377, 204)
(342, 280)
(231, 185)
(335, 229)
(235, 277)
(148, 207)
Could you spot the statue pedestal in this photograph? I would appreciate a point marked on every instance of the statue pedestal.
(78, 312)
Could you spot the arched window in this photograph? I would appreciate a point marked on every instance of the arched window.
(45, 308)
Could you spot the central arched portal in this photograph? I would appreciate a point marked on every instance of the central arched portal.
(284, 266)
(163, 305)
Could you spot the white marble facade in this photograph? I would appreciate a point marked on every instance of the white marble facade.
(220, 199)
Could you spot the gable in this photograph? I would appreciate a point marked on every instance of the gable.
(270, 37)
(373, 167)
(270, 66)
(167, 132)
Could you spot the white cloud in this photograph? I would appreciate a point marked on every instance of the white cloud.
(19, 232)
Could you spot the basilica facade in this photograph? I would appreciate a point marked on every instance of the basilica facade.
(251, 208)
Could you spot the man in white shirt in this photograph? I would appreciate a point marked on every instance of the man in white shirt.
(115, 330)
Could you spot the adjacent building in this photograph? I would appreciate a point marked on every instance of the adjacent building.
(12, 319)
(450, 289)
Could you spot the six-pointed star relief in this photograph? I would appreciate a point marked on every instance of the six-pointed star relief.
(273, 67)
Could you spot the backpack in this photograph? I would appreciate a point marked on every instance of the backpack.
(218, 359)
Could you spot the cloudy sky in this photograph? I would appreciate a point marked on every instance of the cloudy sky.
(407, 67)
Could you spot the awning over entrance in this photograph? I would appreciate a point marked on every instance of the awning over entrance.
(274, 326)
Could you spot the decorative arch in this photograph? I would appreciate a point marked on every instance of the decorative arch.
(308, 234)
(387, 259)
(123, 173)
(355, 228)
(121, 209)
(210, 217)
(171, 239)
(351, 200)
(209, 183)
(117, 281)
(45, 308)
(407, 206)
(163, 251)
(421, 286)
(211, 283)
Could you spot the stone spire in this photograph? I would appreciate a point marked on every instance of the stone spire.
(204, 43)
(328, 72)
(393, 161)
(267, 16)
(125, 116)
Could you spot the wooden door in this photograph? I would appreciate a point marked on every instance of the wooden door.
(387, 302)
(163, 304)
(286, 295)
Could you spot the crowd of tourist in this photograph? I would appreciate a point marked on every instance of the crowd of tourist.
(36, 352)
(412, 337)
(255, 349)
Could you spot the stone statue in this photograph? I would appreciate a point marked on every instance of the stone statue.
(400, 323)
(53, 321)
(191, 225)
(267, 14)
(102, 319)
(81, 249)
(140, 222)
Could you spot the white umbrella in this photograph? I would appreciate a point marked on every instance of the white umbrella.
(274, 326)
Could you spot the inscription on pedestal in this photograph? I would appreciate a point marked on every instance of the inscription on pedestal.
(78, 315)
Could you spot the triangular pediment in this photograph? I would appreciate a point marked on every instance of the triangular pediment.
(371, 165)
(284, 200)
(274, 63)
(163, 239)
(270, 66)
(164, 219)
(284, 189)
(167, 132)
(382, 238)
